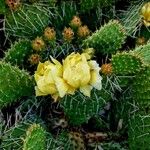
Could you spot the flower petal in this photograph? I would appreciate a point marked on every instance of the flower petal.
(86, 90)
(38, 92)
(61, 86)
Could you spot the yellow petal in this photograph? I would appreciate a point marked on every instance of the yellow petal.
(146, 23)
(56, 62)
(86, 90)
(55, 97)
(96, 80)
(94, 65)
(71, 90)
(61, 86)
(38, 92)
(76, 70)
(48, 76)
(45, 87)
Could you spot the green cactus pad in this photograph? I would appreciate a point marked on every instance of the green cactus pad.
(29, 21)
(108, 39)
(141, 87)
(87, 5)
(139, 131)
(126, 64)
(119, 113)
(12, 138)
(65, 13)
(14, 83)
(18, 53)
(131, 18)
(79, 108)
(35, 138)
(3, 7)
(144, 53)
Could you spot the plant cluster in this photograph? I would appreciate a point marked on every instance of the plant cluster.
(75, 75)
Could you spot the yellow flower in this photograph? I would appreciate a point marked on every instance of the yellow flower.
(89, 52)
(49, 80)
(145, 12)
(81, 74)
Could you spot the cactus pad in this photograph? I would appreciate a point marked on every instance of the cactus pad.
(80, 109)
(108, 39)
(18, 53)
(29, 21)
(126, 64)
(14, 83)
(35, 138)
(141, 87)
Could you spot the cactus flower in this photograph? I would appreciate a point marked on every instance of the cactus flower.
(49, 80)
(81, 74)
(145, 12)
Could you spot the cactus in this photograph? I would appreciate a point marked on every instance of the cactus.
(18, 53)
(113, 146)
(65, 12)
(35, 138)
(141, 87)
(12, 138)
(131, 18)
(63, 117)
(139, 123)
(47, 3)
(76, 140)
(80, 109)
(144, 53)
(108, 39)
(139, 131)
(131, 63)
(119, 113)
(87, 5)
(29, 21)
(126, 64)
(3, 7)
(14, 83)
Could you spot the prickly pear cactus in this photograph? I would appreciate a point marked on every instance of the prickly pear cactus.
(87, 5)
(80, 109)
(14, 83)
(29, 21)
(126, 64)
(35, 138)
(139, 131)
(141, 87)
(3, 7)
(131, 17)
(12, 138)
(108, 39)
(78, 71)
(18, 53)
(143, 52)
